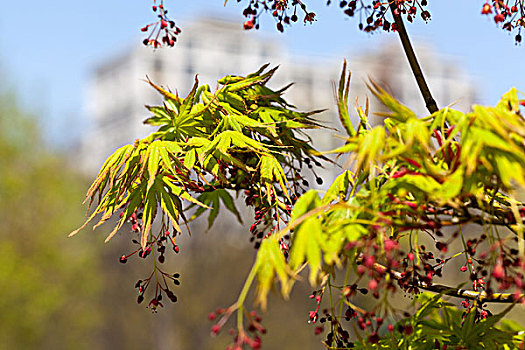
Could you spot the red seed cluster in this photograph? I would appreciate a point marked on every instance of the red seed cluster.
(273, 210)
(163, 32)
(509, 13)
(250, 336)
(375, 15)
(284, 12)
(419, 269)
(161, 288)
(384, 265)
(337, 334)
(156, 248)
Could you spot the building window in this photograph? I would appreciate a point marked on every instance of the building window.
(157, 64)
(189, 68)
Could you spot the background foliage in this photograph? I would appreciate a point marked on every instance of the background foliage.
(71, 294)
(39, 268)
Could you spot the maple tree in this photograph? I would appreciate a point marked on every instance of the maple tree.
(394, 222)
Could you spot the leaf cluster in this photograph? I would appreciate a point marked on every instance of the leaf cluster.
(438, 323)
(244, 136)
(411, 177)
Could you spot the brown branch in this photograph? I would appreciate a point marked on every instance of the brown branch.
(412, 59)
(482, 297)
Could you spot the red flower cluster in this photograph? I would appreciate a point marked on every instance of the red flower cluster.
(163, 31)
(250, 337)
(373, 16)
(510, 13)
(283, 11)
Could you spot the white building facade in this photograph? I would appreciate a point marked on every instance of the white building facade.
(215, 47)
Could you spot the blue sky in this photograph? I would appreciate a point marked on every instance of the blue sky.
(48, 48)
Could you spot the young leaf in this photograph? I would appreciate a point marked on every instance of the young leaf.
(338, 189)
(308, 201)
(398, 110)
(153, 162)
(306, 246)
(168, 205)
(150, 211)
(269, 263)
(342, 101)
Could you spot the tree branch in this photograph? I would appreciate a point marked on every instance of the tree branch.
(412, 59)
(482, 296)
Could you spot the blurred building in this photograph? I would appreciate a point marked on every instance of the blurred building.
(387, 64)
(215, 47)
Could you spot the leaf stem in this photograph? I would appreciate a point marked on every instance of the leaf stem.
(331, 302)
(242, 296)
(347, 277)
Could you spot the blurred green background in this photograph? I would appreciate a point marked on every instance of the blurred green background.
(72, 293)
